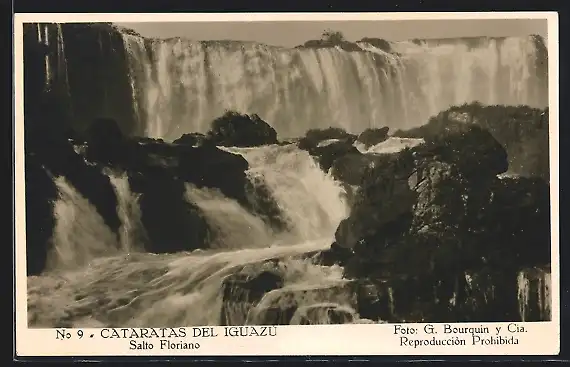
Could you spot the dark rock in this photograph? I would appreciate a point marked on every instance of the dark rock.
(171, 223)
(243, 290)
(261, 202)
(431, 202)
(344, 45)
(328, 145)
(471, 148)
(211, 167)
(105, 141)
(378, 43)
(98, 48)
(323, 314)
(522, 131)
(475, 296)
(56, 153)
(315, 136)
(383, 199)
(192, 139)
(334, 255)
(40, 194)
(234, 129)
(351, 168)
(516, 222)
(279, 306)
(370, 137)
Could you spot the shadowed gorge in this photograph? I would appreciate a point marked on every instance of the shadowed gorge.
(177, 182)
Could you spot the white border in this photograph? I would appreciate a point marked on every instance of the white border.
(541, 338)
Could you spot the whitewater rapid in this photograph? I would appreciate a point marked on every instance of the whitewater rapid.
(116, 283)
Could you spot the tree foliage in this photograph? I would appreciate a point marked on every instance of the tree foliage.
(332, 36)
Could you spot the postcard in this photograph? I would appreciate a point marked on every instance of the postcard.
(288, 184)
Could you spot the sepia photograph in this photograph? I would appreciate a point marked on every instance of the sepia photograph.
(289, 172)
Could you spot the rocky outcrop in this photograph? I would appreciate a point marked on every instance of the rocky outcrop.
(430, 214)
(156, 170)
(522, 131)
(279, 306)
(328, 145)
(485, 295)
(69, 49)
(237, 130)
(370, 137)
(243, 290)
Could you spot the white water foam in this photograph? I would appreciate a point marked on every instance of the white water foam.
(142, 289)
(80, 234)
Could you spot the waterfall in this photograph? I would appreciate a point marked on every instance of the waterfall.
(143, 289)
(182, 85)
(533, 288)
(80, 234)
(164, 88)
(233, 225)
(55, 62)
(131, 232)
(302, 191)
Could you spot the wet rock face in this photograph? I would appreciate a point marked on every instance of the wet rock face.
(279, 306)
(242, 291)
(56, 152)
(95, 47)
(157, 170)
(485, 295)
(40, 194)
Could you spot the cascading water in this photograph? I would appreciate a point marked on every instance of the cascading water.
(233, 225)
(303, 192)
(131, 232)
(142, 289)
(178, 86)
(80, 234)
(55, 63)
(533, 288)
(182, 85)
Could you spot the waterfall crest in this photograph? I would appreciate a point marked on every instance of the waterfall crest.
(182, 85)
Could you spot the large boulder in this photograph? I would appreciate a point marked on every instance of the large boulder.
(370, 137)
(234, 129)
(522, 131)
(328, 145)
(170, 222)
(435, 207)
(243, 290)
(105, 141)
(193, 139)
